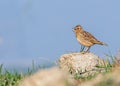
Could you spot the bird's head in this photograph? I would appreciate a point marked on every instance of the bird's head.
(77, 28)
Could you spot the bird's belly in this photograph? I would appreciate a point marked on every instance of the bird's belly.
(84, 42)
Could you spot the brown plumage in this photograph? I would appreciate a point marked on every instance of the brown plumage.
(85, 38)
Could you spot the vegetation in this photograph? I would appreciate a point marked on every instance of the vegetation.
(12, 78)
(9, 79)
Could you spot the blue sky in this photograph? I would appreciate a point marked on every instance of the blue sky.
(41, 30)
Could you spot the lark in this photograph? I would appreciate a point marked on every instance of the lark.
(85, 38)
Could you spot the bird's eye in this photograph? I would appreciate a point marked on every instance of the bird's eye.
(75, 29)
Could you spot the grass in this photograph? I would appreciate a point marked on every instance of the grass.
(12, 78)
(9, 79)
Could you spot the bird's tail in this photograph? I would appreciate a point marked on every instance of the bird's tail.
(102, 43)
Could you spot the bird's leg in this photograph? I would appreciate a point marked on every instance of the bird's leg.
(87, 50)
(82, 48)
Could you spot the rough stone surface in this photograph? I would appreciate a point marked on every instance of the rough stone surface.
(55, 77)
(109, 79)
(76, 63)
(48, 77)
(84, 64)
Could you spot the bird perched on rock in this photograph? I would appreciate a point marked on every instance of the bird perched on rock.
(85, 38)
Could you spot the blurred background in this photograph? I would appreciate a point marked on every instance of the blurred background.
(41, 30)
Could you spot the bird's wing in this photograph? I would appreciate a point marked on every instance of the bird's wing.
(90, 37)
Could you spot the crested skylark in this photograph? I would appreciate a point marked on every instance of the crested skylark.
(85, 38)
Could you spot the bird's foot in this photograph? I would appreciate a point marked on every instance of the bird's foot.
(84, 52)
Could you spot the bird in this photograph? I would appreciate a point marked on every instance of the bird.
(85, 38)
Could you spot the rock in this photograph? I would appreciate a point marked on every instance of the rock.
(76, 63)
(108, 79)
(48, 77)
(55, 77)
(82, 64)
